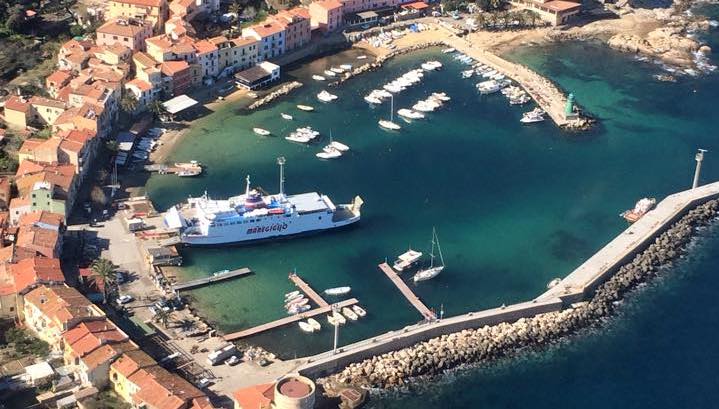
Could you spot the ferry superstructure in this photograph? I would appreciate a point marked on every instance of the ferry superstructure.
(251, 216)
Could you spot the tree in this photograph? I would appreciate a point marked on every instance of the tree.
(128, 102)
(104, 269)
(76, 30)
(98, 196)
(236, 8)
(163, 317)
(15, 18)
(157, 109)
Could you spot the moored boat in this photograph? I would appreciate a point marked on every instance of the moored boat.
(338, 290)
(318, 78)
(409, 114)
(286, 116)
(297, 302)
(330, 73)
(407, 260)
(359, 310)
(305, 326)
(329, 152)
(292, 294)
(432, 271)
(314, 323)
(640, 209)
(325, 96)
(390, 124)
(535, 115)
(339, 146)
(260, 131)
(349, 314)
(295, 309)
(346, 67)
(305, 108)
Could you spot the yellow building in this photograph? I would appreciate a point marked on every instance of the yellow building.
(155, 12)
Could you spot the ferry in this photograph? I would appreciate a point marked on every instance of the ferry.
(640, 209)
(254, 215)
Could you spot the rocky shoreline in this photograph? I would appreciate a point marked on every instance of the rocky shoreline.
(284, 90)
(492, 342)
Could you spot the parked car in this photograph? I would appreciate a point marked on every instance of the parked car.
(204, 382)
(233, 360)
(124, 299)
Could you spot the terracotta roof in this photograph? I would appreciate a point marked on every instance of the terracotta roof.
(87, 336)
(560, 5)
(7, 285)
(79, 135)
(42, 218)
(267, 29)
(218, 40)
(121, 29)
(61, 304)
(327, 4)
(132, 361)
(30, 144)
(140, 84)
(43, 241)
(144, 59)
(302, 12)
(36, 270)
(255, 397)
(171, 68)
(160, 41)
(58, 77)
(15, 103)
(47, 102)
(243, 41)
(33, 166)
(142, 3)
(161, 389)
(71, 146)
(106, 353)
(204, 47)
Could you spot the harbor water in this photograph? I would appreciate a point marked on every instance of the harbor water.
(514, 206)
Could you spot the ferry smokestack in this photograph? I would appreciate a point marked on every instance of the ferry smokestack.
(281, 161)
(697, 172)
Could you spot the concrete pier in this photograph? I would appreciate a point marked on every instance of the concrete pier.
(189, 285)
(305, 288)
(408, 294)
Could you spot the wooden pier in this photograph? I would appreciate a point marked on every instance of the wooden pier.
(288, 320)
(240, 272)
(413, 299)
(305, 288)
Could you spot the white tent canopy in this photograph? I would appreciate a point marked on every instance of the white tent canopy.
(179, 103)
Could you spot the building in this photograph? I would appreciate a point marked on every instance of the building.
(50, 310)
(271, 36)
(43, 240)
(244, 52)
(143, 92)
(4, 192)
(207, 58)
(17, 279)
(57, 80)
(290, 392)
(176, 77)
(156, 12)
(298, 30)
(357, 6)
(326, 15)
(224, 53)
(258, 76)
(555, 12)
(17, 112)
(129, 33)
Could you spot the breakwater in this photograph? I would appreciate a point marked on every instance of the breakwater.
(492, 342)
(283, 90)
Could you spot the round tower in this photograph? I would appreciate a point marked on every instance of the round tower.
(294, 392)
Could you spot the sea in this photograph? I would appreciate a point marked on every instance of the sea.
(514, 206)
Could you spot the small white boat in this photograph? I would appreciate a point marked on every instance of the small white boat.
(359, 310)
(423, 106)
(298, 138)
(337, 70)
(315, 324)
(297, 309)
(349, 314)
(467, 74)
(407, 260)
(329, 153)
(338, 290)
(448, 50)
(260, 131)
(297, 303)
(286, 116)
(305, 326)
(432, 271)
(410, 114)
(291, 295)
(339, 146)
(535, 115)
(305, 108)
(318, 78)
(325, 96)
(442, 96)
(346, 67)
(330, 73)
(393, 88)
(361, 57)
(339, 318)
(389, 125)
(372, 100)
(382, 93)
(332, 320)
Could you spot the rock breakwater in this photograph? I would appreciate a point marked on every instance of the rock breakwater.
(492, 342)
(283, 90)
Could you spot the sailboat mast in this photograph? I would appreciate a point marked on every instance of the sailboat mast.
(439, 248)
(391, 109)
(431, 252)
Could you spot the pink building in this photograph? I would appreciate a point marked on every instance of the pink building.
(130, 33)
(356, 6)
(297, 27)
(326, 15)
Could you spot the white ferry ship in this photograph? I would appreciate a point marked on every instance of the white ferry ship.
(203, 221)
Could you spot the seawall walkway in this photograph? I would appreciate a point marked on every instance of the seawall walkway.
(577, 286)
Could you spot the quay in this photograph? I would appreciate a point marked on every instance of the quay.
(240, 272)
(288, 320)
(578, 286)
(305, 288)
(408, 294)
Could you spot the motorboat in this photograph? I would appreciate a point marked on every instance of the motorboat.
(410, 114)
(431, 65)
(305, 108)
(467, 74)
(297, 309)
(432, 271)
(339, 146)
(359, 310)
(489, 87)
(339, 317)
(260, 131)
(535, 115)
(382, 93)
(361, 57)
(325, 96)
(442, 96)
(314, 323)
(640, 209)
(330, 73)
(448, 50)
(346, 67)
(433, 102)
(286, 116)
(393, 88)
(298, 302)
(329, 152)
(349, 314)
(305, 326)
(318, 78)
(292, 294)
(407, 260)
(520, 99)
(189, 172)
(332, 320)
(337, 70)
(338, 290)
(294, 137)
(370, 99)
(423, 106)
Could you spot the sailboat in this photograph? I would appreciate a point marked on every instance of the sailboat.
(390, 124)
(432, 271)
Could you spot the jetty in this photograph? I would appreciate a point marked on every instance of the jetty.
(305, 288)
(189, 285)
(408, 294)
(288, 320)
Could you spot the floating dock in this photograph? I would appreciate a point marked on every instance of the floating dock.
(240, 272)
(289, 320)
(305, 288)
(408, 294)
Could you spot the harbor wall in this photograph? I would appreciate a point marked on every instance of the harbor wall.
(424, 349)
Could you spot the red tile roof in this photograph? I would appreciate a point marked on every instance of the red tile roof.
(43, 241)
(170, 68)
(62, 304)
(204, 47)
(560, 5)
(121, 29)
(15, 103)
(268, 28)
(87, 336)
(255, 397)
(58, 77)
(140, 84)
(142, 3)
(106, 353)
(36, 270)
(42, 218)
(328, 4)
(161, 389)
(132, 361)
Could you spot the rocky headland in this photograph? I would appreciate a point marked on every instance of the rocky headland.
(489, 343)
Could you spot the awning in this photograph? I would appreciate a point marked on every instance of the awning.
(417, 5)
(178, 104)
(366, 15)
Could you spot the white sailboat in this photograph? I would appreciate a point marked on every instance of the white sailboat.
(432, 271)
(390, 124)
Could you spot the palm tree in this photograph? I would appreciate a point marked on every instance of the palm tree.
(163, 317)
(157, 108)
(104, 269)
(128, 102)
(236, 8)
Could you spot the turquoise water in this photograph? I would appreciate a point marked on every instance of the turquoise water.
(514, 206)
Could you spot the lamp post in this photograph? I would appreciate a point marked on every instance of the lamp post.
(699, 158)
